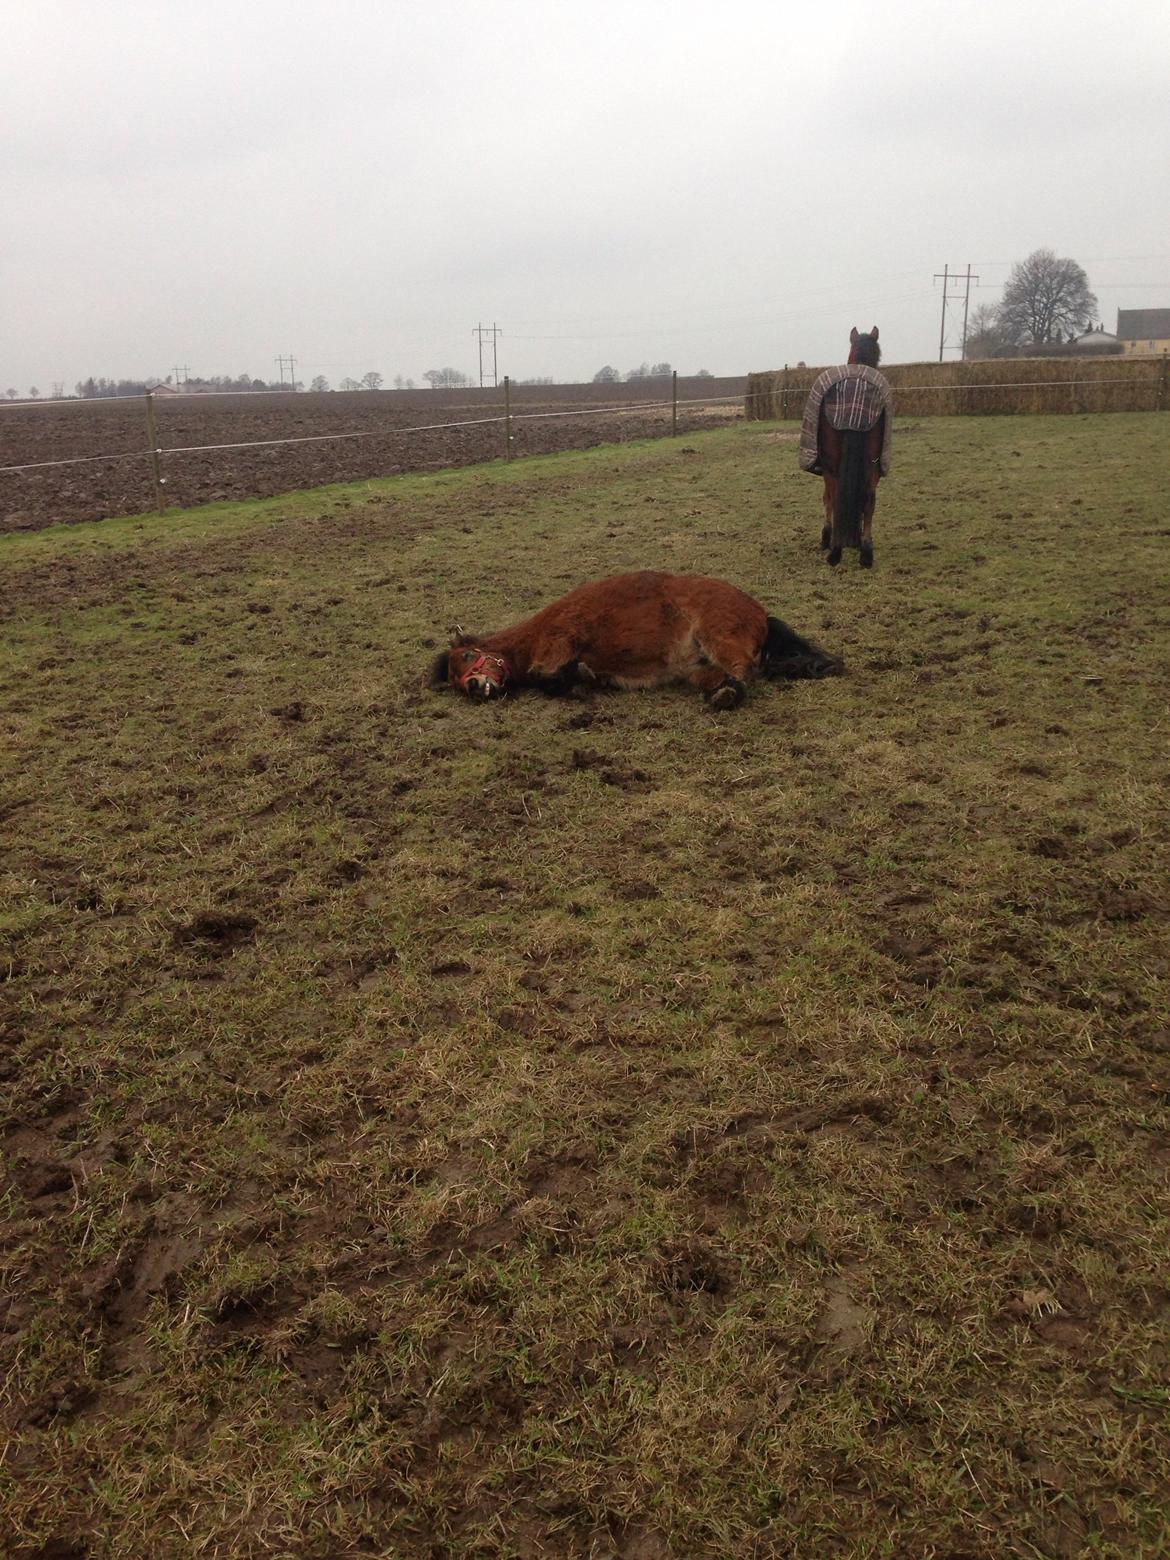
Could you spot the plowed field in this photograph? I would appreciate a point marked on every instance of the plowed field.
(336, 438)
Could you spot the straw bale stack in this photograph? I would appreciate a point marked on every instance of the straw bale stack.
(997, 386)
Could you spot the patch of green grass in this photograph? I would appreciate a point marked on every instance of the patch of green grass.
(593, 1127)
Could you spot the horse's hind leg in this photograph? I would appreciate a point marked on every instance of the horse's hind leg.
(865, 554)
(873, 475)
(830, 501)
(828, 537)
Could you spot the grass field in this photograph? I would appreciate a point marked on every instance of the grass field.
(595, 1128)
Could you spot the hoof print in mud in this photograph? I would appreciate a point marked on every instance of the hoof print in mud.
(215, 932)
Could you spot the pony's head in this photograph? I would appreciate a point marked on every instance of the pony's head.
(864, 349)
(474, 671)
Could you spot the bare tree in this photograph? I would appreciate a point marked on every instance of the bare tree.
(606, 376)
(320, 385)
(437, 377)
(985, 335)
(1046, 299)
(349, 384)
(372, 380)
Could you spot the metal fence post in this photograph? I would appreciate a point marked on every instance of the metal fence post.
(155, 463)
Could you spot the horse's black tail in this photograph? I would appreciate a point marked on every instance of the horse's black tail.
(852, 490)
(786, 654)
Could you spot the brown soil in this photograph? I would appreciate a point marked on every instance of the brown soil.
(65, 431)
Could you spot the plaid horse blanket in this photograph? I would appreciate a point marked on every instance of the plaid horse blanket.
(854, 397)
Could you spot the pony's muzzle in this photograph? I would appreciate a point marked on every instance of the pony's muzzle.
(482, 688)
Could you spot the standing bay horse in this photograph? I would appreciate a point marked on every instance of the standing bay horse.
(847, 428)
(636, 631)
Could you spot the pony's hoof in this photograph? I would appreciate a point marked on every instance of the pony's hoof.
(727, 695)
(834, 557)
(866, 558)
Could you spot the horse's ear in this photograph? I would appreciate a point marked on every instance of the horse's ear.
(853, 337)
(439, 669)
(873, 333)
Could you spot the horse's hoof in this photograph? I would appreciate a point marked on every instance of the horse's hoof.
(727, 695)
(866, 558)
(834, 557)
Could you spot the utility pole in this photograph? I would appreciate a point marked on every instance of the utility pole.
(181, 370)
(966, 304)
(493, 331)
(292, 371)
(946, 279)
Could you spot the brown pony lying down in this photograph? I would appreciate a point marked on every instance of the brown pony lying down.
(636, 631)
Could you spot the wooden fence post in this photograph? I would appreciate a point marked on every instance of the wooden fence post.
(673, 402)
(507, 418)
(156, 465)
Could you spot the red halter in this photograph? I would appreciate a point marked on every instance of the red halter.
(478, 665)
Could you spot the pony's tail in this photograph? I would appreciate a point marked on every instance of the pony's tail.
(851, 490)
(786, 654)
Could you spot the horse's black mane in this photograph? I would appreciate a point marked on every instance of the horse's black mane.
(439, 670)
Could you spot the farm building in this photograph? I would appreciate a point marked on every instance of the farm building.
(1096, 342)
(1144, 330)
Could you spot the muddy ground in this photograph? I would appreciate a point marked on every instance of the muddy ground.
(593, 1127)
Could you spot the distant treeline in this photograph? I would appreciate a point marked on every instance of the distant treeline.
(438, 378)
(91, 388)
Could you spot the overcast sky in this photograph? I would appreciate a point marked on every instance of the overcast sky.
(731, 186)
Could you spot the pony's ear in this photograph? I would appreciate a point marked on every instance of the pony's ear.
(439, 669)
(853, 336)
(873, 333)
